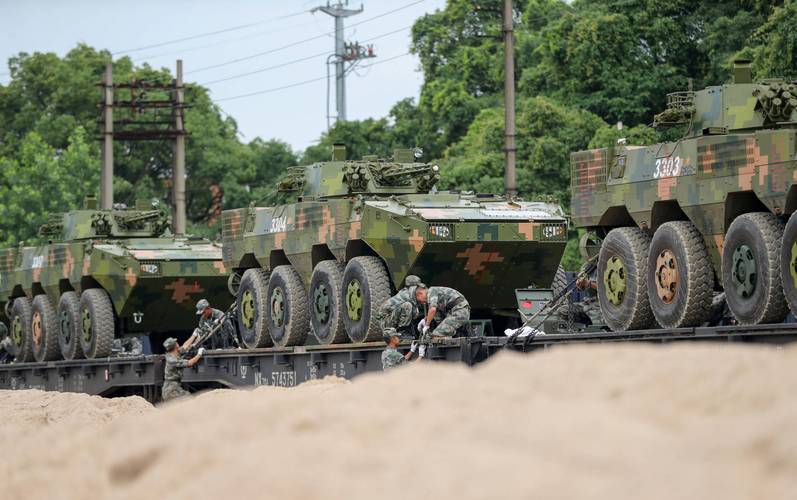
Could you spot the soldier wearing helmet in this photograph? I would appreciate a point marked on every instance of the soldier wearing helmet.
(210, 317)
(390, 356)
(399, 311)
(173, 368)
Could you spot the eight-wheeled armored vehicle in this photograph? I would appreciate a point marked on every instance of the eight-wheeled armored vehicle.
(676, 222)
(326, 263)
(105, 274)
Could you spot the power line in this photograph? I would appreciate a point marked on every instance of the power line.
(209, 33)
(295, 61)
(305, 82)
(300, 42)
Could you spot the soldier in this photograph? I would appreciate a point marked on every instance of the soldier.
(391, 357)
(399, 311)
(173, 369)
(208, 318)
(446, 304)
(6, 345)
(590, 308)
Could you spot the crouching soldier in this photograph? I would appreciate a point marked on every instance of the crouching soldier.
(209, 317)
(445, 303)
(173, 369)
(390, 356)
(399, 311)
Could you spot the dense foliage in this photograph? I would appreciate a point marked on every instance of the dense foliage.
(581, 67)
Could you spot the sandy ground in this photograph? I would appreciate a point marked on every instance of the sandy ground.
(614, 422)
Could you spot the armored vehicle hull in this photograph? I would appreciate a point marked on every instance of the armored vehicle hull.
(675, 223)
(336, 259)
(70, 299)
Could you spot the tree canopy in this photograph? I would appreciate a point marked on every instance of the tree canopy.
(581, 67)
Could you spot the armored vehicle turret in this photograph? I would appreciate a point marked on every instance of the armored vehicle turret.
(677, 222)
(105, 274)
(325, 263)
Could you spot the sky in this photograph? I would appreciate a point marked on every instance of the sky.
(285, 29)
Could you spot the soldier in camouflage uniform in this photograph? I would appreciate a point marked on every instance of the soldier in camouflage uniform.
(391, 357)
(173, 369)
(6, 345)
(399, 311)
(447, 306)
(210, 317)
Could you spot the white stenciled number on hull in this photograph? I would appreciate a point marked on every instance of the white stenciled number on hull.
(668, 167)
(278, 224)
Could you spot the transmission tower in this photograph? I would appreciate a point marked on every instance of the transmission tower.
(344, 53)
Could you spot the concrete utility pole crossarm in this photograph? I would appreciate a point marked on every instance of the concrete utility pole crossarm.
(339, 12)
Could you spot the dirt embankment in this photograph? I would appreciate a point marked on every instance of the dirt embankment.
(614, 422)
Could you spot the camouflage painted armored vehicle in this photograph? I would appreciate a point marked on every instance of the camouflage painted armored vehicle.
(676, 222)
(325, 263)
(105, 274)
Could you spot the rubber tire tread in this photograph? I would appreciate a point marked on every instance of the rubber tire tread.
(378, 291)
(102, 323)
(772, 306)
(70, 302)
(334, 271)
(257, 279)
(635, 243)
(50, 350)
(22, 307)
(559, 283)
(692, 257)
(297, 324)
(788, 283)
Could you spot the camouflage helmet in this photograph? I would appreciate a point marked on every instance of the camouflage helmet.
(387, 333)
(170, 344)
(202, 305)
(411, 280)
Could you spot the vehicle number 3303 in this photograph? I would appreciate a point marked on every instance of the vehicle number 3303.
(670, 166)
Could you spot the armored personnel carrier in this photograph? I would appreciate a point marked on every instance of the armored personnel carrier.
(676, 222)
(325, 263)
(105, 274)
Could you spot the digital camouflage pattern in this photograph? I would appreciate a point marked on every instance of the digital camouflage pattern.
(153, 279)
(399, 311)
(173, 376)
(452, 311)
(392, 358)
(483, 245)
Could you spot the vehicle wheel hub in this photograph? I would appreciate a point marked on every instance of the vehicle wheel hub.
(36, 327)
(744, 271)
(66, 327)
(248, 312)
(86, 326)
(321, 303)
(278, 307)
(666, 276)
(793, 264)
(354, 300)
(614, 280)
(16, 331)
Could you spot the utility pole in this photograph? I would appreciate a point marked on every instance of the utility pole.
(510, 184)
(339, 12)
(178, 169)
(106, 174)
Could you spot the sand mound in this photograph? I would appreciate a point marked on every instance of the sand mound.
(623, 421)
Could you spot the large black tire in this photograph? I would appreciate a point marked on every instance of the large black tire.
(788, 263)
(680, 276)
(751, 269)
(287, 307)
(21, 336)
(44, 329)
(96, 323)
(560, 283)
(622, 280)
(365, 287)
(69, 326)
(326, 303)
(252, 304)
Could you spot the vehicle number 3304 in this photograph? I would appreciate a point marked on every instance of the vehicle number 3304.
(670, 166)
